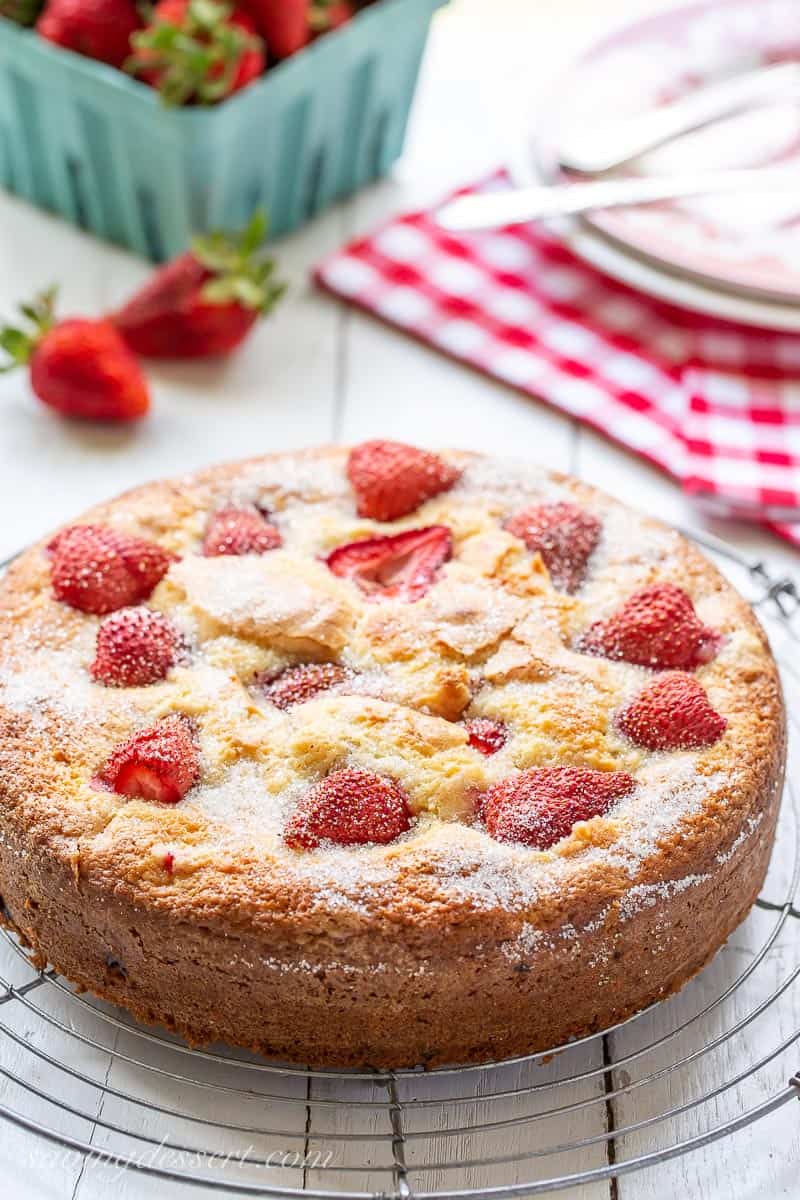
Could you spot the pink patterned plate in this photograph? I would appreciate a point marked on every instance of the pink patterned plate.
(746, 244)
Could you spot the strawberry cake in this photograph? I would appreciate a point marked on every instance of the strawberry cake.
(380, 757)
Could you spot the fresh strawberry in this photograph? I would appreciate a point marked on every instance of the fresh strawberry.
(99, 29)
(23, 12)
(135, 647)
(391, 479)
(197, 51)
(326, 15)
(239, 531)
(350, 808)
(80, 368)
(98, 569)
(205, 302)
(158, 763)
(486, 735)
(539, 806)
(401, 567)
(295, 685)
(656, 627)
(563, 534)
(672, 713)
(283, 24)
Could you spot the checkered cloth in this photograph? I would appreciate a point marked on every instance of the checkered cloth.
(716, 405)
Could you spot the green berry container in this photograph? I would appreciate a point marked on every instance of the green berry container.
(85, 141)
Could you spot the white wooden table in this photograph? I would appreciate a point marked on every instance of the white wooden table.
(316, 372)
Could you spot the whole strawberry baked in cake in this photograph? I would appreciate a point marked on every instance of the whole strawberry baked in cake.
(380, 757)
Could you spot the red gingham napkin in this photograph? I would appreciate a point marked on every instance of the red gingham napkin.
(717, 405)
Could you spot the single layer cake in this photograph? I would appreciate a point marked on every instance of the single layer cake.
(380, 757)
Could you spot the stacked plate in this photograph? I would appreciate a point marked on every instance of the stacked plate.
(730, 256)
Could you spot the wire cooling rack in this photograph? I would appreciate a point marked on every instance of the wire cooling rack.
(78, 1076)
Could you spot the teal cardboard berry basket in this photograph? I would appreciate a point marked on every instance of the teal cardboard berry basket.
(84, 140)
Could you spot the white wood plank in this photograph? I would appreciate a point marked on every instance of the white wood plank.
(475, 1137)
(355, 1133)
(266, 1112)
(509, 1140)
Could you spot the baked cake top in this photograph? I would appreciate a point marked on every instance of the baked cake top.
(385, 684)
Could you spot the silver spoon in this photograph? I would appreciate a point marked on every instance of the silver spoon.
(593, 150)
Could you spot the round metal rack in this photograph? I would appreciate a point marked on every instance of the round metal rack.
(81, 1076)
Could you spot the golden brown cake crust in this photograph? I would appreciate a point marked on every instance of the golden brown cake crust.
(445, 946)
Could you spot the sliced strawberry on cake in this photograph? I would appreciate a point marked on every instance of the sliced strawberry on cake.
(486, 735)
(402, 566)
(98, 569)
(655, 627)
(540, 806)
(672, 713)
(349, 808)
(159, 763)
(135, 647)
(563, 534)
(234, 531)
(295, 685)
(391, 479)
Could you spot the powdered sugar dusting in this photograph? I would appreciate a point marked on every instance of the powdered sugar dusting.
(510, 483)
(304, 478)
(242, 803)
(630, 548)
(669, 790)
(647, 895)
(275, 597)
(492, 875)
(638, 897)
(461, 859)
(747, 832)
(54, 681)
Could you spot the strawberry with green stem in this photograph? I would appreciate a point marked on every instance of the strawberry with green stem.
(82, 368)
(197, 51)
(206, 301)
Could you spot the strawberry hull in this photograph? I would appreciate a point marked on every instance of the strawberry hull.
(97, 147)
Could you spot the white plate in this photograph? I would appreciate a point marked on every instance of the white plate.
(648, 277)
(722, 257)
